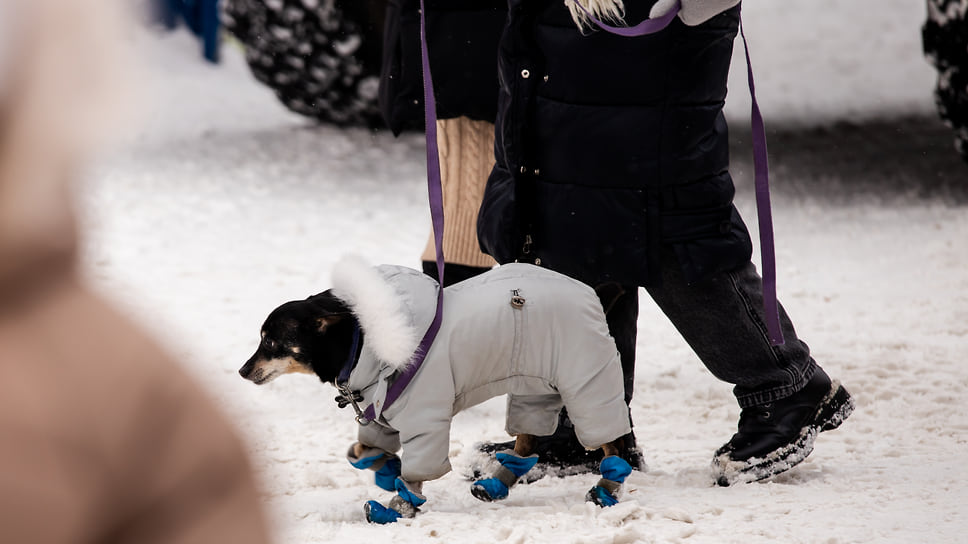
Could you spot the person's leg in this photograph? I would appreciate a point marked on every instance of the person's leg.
(466, 157)
(453, 273)
(621, 305)
(785, 396)
(722, 321)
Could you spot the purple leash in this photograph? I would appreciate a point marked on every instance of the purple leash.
(436, 196)
(764, 212)
(761, 166)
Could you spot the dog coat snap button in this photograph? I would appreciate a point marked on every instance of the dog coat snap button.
(516, 299)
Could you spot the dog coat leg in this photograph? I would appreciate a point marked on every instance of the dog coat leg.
(499, 484)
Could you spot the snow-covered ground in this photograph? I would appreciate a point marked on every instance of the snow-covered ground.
(224, 205)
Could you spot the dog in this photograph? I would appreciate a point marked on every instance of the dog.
(519, 330)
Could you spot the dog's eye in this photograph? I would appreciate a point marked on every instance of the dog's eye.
(269, 343)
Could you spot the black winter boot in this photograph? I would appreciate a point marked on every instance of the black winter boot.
(774, 437)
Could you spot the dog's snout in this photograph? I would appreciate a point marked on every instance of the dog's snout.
(247, 368)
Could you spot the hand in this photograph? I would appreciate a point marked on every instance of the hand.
(693, 12)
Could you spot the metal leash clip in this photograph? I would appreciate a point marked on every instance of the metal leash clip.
(347, 397)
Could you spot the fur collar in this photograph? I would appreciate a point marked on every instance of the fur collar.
(604, 10)
(388, 330)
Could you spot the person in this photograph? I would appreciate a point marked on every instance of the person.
(102, 437)
(612, 167)
(944, 38)
(462, 39)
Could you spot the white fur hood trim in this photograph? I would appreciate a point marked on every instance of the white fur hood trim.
(604, 10)
(379, 309)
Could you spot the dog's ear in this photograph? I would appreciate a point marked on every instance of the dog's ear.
(322, 323)
(329, 309)
(326, 303)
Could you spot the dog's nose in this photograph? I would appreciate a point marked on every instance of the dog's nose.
(248, 367)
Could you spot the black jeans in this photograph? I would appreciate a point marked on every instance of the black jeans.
(722, 321)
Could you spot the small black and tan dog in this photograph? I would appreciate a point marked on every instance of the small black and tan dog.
(518, 329)
(309, 336)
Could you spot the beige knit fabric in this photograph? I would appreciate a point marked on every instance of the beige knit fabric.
(466, 158)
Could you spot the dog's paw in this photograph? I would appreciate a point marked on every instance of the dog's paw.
(377, 513)
(404, 505)
(601, 496)
(489, 490)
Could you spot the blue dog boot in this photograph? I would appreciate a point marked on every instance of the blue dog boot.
(614, 472)
(386, 465)
(499, 484)
(404, 505)
(489, 489)
(409, 493)
(377, 513)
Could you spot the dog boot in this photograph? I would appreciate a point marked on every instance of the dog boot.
(385, 464)
(405, 504)
(614, 471)
(497, 486)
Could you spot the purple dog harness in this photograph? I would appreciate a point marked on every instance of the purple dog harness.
(435, 192)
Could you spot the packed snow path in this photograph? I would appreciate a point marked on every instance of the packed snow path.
(223, 206)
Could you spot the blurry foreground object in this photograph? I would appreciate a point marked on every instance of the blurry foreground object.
(945, 38)
(102, 437)
(200, 16)
(322, 58)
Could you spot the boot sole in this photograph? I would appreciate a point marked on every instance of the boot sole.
(835, 407)
(481, 494)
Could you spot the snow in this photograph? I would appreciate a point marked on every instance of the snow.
(222, 205)
(824, 58)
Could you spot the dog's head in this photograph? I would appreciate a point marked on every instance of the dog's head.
(312, 336)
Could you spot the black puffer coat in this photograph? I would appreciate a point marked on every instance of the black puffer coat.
(609, 147)
(462, 40)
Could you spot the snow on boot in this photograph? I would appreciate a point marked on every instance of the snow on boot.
(504, 477)
(774, 437)
(614, 472)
